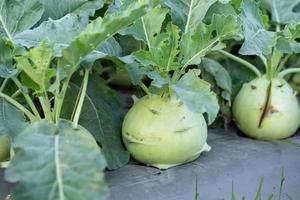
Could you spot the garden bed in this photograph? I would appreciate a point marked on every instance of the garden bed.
(233, 160)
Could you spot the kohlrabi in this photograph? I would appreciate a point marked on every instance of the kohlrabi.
(62, 157)
(267, 107)
(166, 127)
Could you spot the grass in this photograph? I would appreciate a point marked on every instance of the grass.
(258, 194)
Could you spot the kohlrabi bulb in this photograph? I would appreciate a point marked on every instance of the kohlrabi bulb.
(163, 132)
(266, 109)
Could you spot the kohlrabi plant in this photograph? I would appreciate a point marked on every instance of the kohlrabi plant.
(267, 107)
(167, 126)
(42, 47)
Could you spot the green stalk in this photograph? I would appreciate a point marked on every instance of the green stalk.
(30, 116)
(16, 94)
(45, 108)
(241, 61)
(81, 98)
(3, 84)
(60, 99)
(145, 89)
(288, 71)
(282, 63)
(27, 98)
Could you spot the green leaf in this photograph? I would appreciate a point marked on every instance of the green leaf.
(258, 40)
(287, 42)
(7, 68)
(100, 30)
(60, 32)
(187, 14)
(59, 170)
(283, 11)
(220, 75)
(163, 51)
(197, 95)
(158, 80)
(219, 8)
(36, 64)
(12, 121)
(204, 38)
(102, 116)
(19, 15)
(56, 9)
(148, 26)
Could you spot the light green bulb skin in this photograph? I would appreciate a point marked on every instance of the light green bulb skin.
(278, 120)
(163, 132)
(4, 148)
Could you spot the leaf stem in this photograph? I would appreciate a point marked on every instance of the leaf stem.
(60, 99)
(5, 28)
(3, 84)
(82, 97)
(146, 34)
(16, 94)
(45, 107)
(241, 61)
(288, 71)
(27, 98)
(145, 89)
(264, 61)
(282, 63)
(10, 100)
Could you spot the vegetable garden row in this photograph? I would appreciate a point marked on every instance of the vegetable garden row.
(188, 64)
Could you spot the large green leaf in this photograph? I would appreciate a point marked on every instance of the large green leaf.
(258, 40)
(197, 94)
(19, 15)
(187, 14)
(283, 10)
(36, 65)
(61, 32)
(54, 163)
(204, 38)
(56, 9)
(100, 30)
(102, 116)
(12, 121)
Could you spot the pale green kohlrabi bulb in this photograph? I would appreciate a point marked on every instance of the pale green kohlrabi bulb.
(163, 132)
(267, 110)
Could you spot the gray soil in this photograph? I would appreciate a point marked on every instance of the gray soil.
(233, 160)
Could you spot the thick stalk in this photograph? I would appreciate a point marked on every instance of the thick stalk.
(265, 62)
(28, 114)
(288, 71)
(45, 108)
(241, 61)
(27, 98)
(82, 97)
